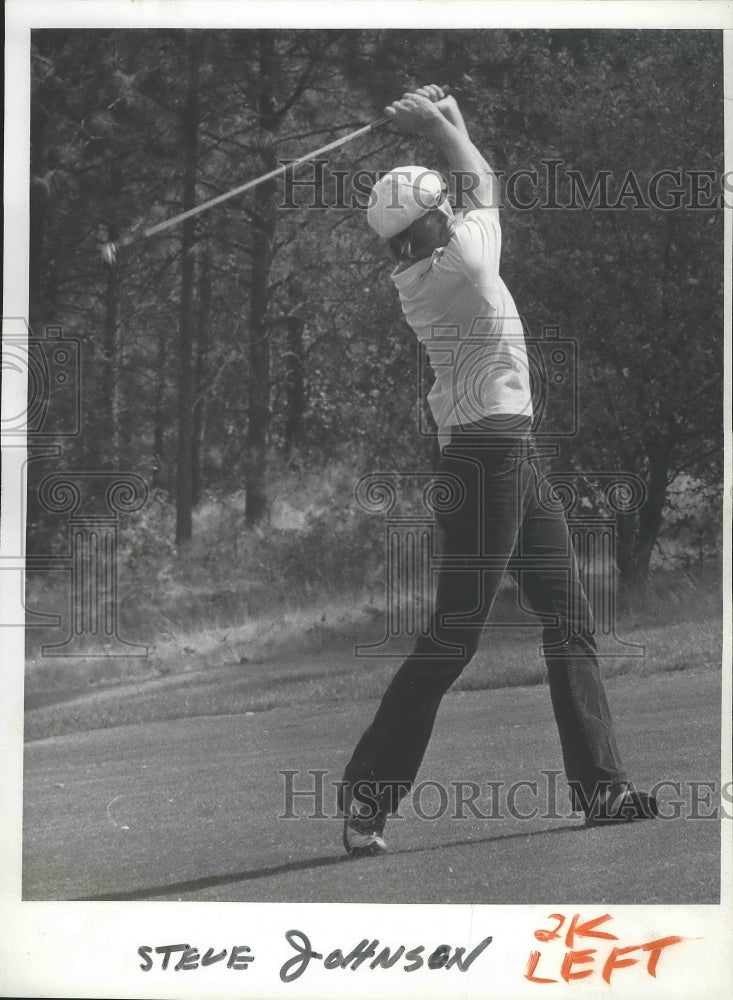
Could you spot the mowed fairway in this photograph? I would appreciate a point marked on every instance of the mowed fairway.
(191, 809)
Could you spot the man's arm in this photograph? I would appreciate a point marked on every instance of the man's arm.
(427, 112)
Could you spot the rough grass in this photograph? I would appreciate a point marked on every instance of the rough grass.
(309, 656)
(246, 620)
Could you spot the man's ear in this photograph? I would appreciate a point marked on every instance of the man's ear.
(399, 250)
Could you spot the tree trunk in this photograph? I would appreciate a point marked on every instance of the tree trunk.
(637, 533)
(199, 403)
(626, 531)
(294, 382)
(159, 414)
(109, 403)
(190, 125)
(650, 515)
(109, 410)
(634, 566)
(264, 219)
(38, 196)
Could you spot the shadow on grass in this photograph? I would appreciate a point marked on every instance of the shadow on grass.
(307, 864)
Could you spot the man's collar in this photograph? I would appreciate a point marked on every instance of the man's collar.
(403, 276)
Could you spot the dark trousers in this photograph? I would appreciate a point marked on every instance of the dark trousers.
(504, 520)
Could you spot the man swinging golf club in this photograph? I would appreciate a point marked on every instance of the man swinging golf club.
(447, 277)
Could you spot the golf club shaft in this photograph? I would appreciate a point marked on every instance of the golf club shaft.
(109, 249)
(159, 227)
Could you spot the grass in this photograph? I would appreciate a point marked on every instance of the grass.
(246, 620)
(308, 656)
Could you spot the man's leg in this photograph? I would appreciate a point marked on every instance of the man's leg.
(390, 752)
(549, 582)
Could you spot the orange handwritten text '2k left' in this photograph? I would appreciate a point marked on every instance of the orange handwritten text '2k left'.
(549, 966)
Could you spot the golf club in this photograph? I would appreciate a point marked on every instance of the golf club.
(109, 250)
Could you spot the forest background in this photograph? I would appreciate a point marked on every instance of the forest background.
(252, 364)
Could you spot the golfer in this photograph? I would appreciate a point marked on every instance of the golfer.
(447, 277)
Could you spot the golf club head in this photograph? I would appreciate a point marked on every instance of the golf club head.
(109, 254)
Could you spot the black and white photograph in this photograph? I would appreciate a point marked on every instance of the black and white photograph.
(366, 500)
